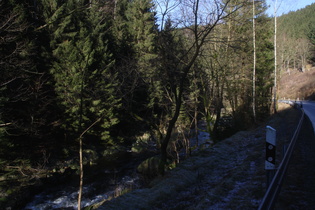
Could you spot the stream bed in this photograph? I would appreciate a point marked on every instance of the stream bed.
(106, 180)
(110, 178)
(66, 198)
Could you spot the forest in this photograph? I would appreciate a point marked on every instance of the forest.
(296, 39)
(85, 79)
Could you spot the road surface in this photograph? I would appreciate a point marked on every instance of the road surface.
(309, 109)
(298, 190)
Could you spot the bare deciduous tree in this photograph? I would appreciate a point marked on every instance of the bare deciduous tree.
(198, 18)
(254, 63)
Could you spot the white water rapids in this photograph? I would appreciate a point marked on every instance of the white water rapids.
(107, 184)
(67, 198)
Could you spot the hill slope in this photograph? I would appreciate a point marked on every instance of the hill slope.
(230, 175)
(298, 24)
(297, 85)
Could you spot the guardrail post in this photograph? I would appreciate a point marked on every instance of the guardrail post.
(270, 162)
(270, 197)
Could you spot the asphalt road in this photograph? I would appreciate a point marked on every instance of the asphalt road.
(298, 190)
(309, 109)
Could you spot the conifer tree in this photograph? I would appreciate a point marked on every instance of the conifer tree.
(135, 33)
(23, 84)
(142, 29)
(264, 66)
(167, 76)
(82, 68)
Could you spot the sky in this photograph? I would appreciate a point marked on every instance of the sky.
(286, 6)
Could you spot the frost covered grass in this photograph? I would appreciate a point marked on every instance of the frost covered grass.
(229, 175)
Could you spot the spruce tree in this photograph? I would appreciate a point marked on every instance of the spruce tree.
(24, 86)
(167, 76)
(264, 66)
(142, 29)
(135, 33)
(82, 69)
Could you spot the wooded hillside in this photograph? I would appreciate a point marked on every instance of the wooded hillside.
(297, 39)
(126, 75)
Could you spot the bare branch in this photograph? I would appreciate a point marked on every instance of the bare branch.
(5, 124)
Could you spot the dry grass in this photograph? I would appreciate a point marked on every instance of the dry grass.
(297, 85)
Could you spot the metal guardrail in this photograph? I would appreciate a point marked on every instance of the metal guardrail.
(273, 190)
(295, 104)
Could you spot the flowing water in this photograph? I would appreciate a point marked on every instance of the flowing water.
(111, 178)
(66, 198)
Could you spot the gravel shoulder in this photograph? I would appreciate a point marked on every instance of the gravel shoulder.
(229, 175)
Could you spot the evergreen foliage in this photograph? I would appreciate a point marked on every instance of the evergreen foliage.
(166, 78)
(82, 67)
(108, 61)
(26, 97)
(141, 27)
(298, 24)
(296, 32)
(66, 65)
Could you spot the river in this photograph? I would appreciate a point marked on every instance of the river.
(110, 178)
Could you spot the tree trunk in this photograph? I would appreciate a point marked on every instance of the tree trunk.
(216, 125)
(167, 138)
(81, 161)
(254, 65)
(196, 112)
(81, 175)
(200, 35)
(275, 54)
(178, 104)
(196, 122)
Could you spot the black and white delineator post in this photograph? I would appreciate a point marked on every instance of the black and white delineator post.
(270, 162)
